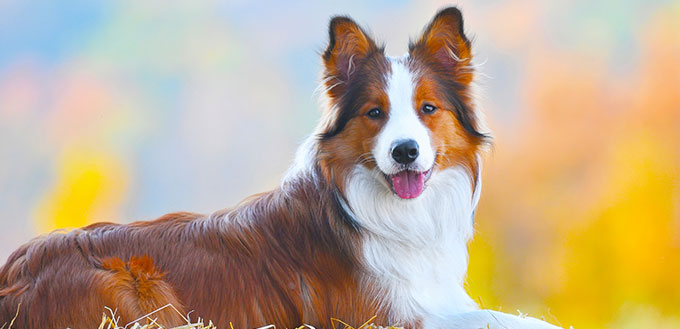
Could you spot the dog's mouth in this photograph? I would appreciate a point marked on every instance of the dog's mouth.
(408, 184)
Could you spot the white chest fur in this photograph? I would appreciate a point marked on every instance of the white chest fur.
(416, 250)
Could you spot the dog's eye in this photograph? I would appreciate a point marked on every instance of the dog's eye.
(428, 109)
(374, 113)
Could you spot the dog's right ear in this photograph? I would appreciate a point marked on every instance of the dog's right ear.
(348, 44)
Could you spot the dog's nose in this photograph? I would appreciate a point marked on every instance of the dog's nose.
(405, 152)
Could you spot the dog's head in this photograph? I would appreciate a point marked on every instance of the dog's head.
(405, 118)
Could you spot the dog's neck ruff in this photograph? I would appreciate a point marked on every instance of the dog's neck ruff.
(414, 252)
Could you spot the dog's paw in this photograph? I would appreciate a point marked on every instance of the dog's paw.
(488, 319)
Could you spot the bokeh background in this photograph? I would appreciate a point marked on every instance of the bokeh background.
(127, 110)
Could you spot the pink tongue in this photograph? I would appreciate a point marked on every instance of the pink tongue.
(408, 184)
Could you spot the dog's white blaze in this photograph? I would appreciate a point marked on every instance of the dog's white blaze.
(403, 121)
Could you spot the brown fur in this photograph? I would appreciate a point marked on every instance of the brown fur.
(282, 259)
(454, 146)
(339, 155)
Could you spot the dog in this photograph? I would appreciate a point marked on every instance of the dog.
(371, 221)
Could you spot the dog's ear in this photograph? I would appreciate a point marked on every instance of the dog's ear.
(444, 42)
(348, 44)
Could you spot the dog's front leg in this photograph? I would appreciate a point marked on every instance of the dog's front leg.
(488, 319)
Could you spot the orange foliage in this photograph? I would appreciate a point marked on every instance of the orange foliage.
(581, 210)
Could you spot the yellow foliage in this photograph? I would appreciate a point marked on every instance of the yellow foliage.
(89, 187)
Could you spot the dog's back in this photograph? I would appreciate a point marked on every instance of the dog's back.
(265, 262)
(67, 279)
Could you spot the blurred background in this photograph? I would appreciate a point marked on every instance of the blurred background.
(127, 110)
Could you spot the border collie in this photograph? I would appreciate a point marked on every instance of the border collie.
(373, 218)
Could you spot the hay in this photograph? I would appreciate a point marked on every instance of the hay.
(150, 322)
(110, 321)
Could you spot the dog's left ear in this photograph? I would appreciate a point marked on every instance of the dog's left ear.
(444, 42)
